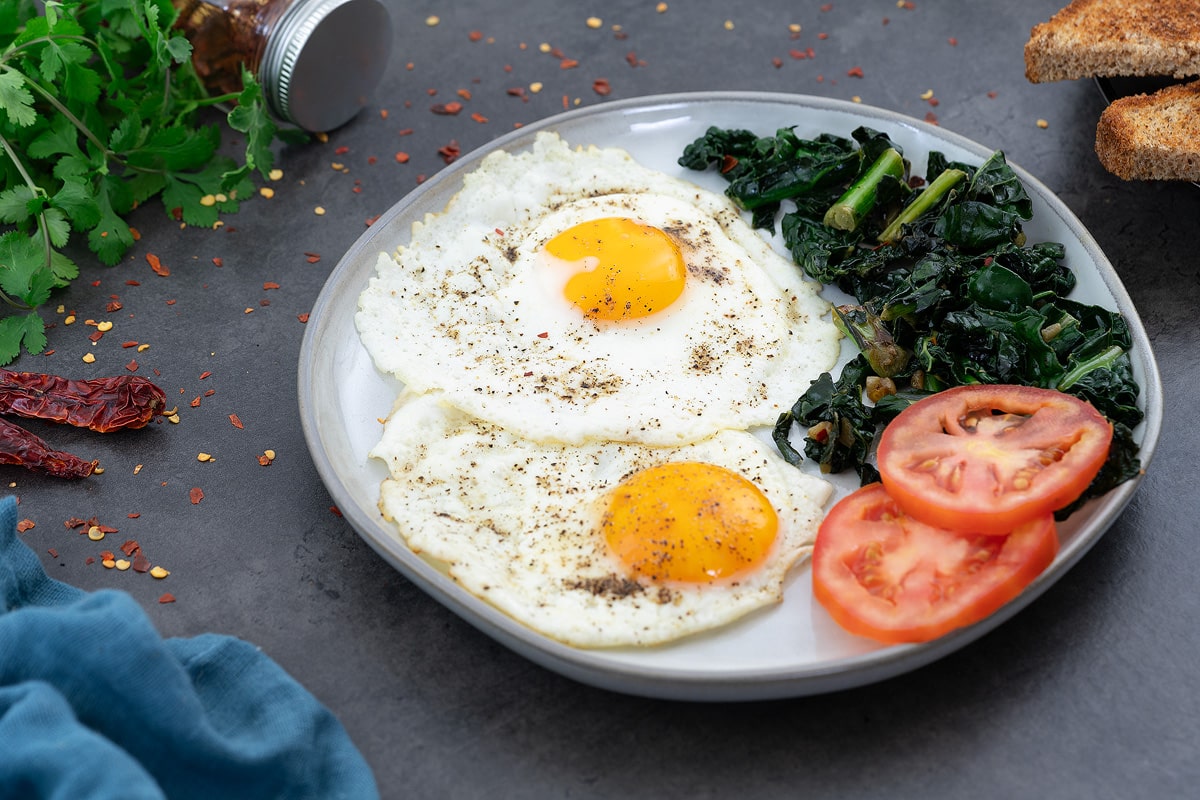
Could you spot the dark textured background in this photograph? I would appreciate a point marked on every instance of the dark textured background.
(1090, 692)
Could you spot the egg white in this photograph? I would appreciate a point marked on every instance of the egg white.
(464, 309)
(516, 523)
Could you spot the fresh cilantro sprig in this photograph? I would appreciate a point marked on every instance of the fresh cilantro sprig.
(99, 113)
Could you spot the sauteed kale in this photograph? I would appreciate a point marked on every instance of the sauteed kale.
(947, 289)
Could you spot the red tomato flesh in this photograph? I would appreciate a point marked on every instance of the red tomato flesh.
(987, 458)
(882, 574)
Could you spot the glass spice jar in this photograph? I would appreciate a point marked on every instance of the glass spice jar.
(317, 61)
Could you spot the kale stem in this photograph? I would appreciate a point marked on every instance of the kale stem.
(1099, 361)
(872, 339)
(859, 199)
(926, 200)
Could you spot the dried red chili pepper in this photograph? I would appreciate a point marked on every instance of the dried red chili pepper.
(99, 404)
(21, 448)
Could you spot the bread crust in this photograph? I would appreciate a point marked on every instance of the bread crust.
(1152, 136)
(1110, 38)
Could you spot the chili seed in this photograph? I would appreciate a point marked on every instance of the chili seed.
(95, 534)
(123, 564)
(159, 573)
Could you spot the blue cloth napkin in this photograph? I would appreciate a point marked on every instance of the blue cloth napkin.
(95, 704)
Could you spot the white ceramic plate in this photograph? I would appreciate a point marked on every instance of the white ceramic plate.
(789, 650)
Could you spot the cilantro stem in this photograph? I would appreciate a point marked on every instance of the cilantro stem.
(43, 228)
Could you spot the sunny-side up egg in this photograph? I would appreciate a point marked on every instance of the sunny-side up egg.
(574, 295)
(601, 544)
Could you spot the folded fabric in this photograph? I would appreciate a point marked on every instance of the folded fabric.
(94, 703)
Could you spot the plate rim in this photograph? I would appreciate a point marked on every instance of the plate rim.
(587, 666)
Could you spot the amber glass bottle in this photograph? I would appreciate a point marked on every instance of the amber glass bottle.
(316, 60)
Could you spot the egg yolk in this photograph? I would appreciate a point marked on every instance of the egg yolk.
(689, 522)
(622, 269)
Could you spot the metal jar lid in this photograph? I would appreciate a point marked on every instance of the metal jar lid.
(324, 60)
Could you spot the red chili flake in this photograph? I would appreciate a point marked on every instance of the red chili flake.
(129, 344)
(210, 392)
(480, 118)
(196, 494)
(518, 91)
(269, 285)
(133, 283)
(157, 265)
(475, 36)
(498, 231)
(601, 87)
(728, 162)
(544, 335)
(95, 283)
(176, 213)
(465, 94)
(987, 262)
(933, 101)
(141, 563)
(312, 258)
(372, 159)
(931, 118)
(953, 42)
(167, 598)
(133, 515)
(89, 560)
(568, 63)
(172, 302)
(822, 36)
(74, 522)
(107, 555)
(132, 366)
(236, 421)
(799, 55)
(372, 220)
(451, 108)
(302, 317)
(777, 62)
(135, 233)
(631, 59)
(205, 374)
(130, 547)
(404, 132)
(337, 512)
(24, 525)
(907, 5)
(450, 152)
(991, 95)
(402, 157)
(49, 352)
(195, 402)
(113, 306)
(827, 7)
(264, 460)
(96, 336)
(810, 53)
(53, 553)
(855, 72)
(431, 92)
(342, 150)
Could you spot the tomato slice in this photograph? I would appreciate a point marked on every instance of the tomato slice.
(988, 457)
(882, 574)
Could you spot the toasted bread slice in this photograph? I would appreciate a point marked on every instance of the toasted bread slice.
(1108, 38)
(1152, 136)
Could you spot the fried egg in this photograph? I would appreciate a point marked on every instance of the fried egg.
(574, 295)
(603, 544)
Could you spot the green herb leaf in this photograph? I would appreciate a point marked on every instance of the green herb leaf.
(99, 113)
